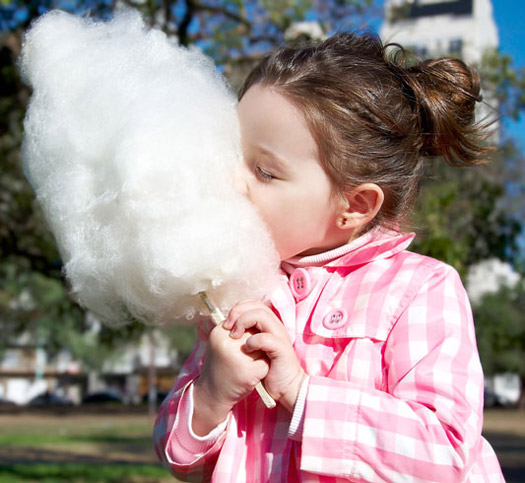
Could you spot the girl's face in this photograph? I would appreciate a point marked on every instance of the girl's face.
(283, 177)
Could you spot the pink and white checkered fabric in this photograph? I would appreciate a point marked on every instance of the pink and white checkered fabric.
(395, 393)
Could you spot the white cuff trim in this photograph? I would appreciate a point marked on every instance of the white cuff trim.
(214, 434)
(295, 431)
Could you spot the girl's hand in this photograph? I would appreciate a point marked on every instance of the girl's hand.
(229, 373)
(286, 375)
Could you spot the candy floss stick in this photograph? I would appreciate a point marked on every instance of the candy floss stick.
(132, 145)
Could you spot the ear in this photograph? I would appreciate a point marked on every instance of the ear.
(362, 205)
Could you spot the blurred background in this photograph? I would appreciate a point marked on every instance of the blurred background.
(77, 398)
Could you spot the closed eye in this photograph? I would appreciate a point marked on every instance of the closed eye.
(263, 174)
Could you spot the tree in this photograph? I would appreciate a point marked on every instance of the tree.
(30, 268)
(468, 215)
(472, 215)
(224, 28)
(500, 332)
(463, 217)
(505, 82)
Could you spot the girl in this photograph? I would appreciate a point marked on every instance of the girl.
(369, 349)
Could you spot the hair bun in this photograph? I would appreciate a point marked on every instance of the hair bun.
(446, 91)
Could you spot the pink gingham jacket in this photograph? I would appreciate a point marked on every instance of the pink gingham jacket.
(395, 388)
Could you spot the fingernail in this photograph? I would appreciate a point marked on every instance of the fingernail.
(233, 333)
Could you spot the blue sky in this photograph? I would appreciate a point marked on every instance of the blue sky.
(510, 19)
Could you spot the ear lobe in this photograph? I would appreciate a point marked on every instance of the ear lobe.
(363, 204)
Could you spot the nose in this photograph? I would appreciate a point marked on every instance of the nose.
(241, 180)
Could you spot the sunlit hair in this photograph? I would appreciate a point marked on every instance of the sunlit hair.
(374, 116)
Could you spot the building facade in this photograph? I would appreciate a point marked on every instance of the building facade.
(27, 372)
(433, 28)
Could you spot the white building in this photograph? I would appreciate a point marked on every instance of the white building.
(432, 28)
(26, 371)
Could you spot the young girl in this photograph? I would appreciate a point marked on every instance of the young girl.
(369, 349)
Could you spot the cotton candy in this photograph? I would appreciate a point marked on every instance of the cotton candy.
(131, 145)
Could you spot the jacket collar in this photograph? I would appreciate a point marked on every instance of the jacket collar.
(376, 244)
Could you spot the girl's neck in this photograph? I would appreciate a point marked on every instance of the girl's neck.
(323, 258)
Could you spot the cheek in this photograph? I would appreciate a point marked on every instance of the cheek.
(288, 227)
(273, 212)
(257, 198)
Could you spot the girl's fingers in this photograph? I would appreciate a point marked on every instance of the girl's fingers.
(250, 319)
(254, 354)
(240, 308)
(256, 320)
(264, 343)
(251, 314)
(261, 368)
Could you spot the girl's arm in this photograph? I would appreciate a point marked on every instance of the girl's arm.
(190, 428)
(179, 451)
(426, 425)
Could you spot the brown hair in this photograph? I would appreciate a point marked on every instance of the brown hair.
(374, 117)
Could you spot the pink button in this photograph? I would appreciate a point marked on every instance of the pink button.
(335, 319)
(300, 283)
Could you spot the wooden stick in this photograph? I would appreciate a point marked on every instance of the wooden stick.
(218, 318)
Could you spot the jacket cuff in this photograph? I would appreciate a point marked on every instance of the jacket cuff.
(330, 428)
(295, 431)
(184, 445)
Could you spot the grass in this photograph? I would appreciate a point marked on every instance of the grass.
(78, 472)
(53, 439)
(77, 448)
(117, 448)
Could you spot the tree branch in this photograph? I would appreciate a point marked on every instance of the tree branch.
(182, 27)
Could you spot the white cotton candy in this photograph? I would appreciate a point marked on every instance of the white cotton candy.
(132, 144)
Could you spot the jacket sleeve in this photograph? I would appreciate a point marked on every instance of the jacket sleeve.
(181, 452)
(426, 424)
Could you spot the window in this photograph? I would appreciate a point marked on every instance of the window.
(455, 46)
(420, 50)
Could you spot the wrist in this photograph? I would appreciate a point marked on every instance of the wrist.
(289, 399)
(208, 410)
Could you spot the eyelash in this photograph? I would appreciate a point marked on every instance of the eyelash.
(264, 175)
